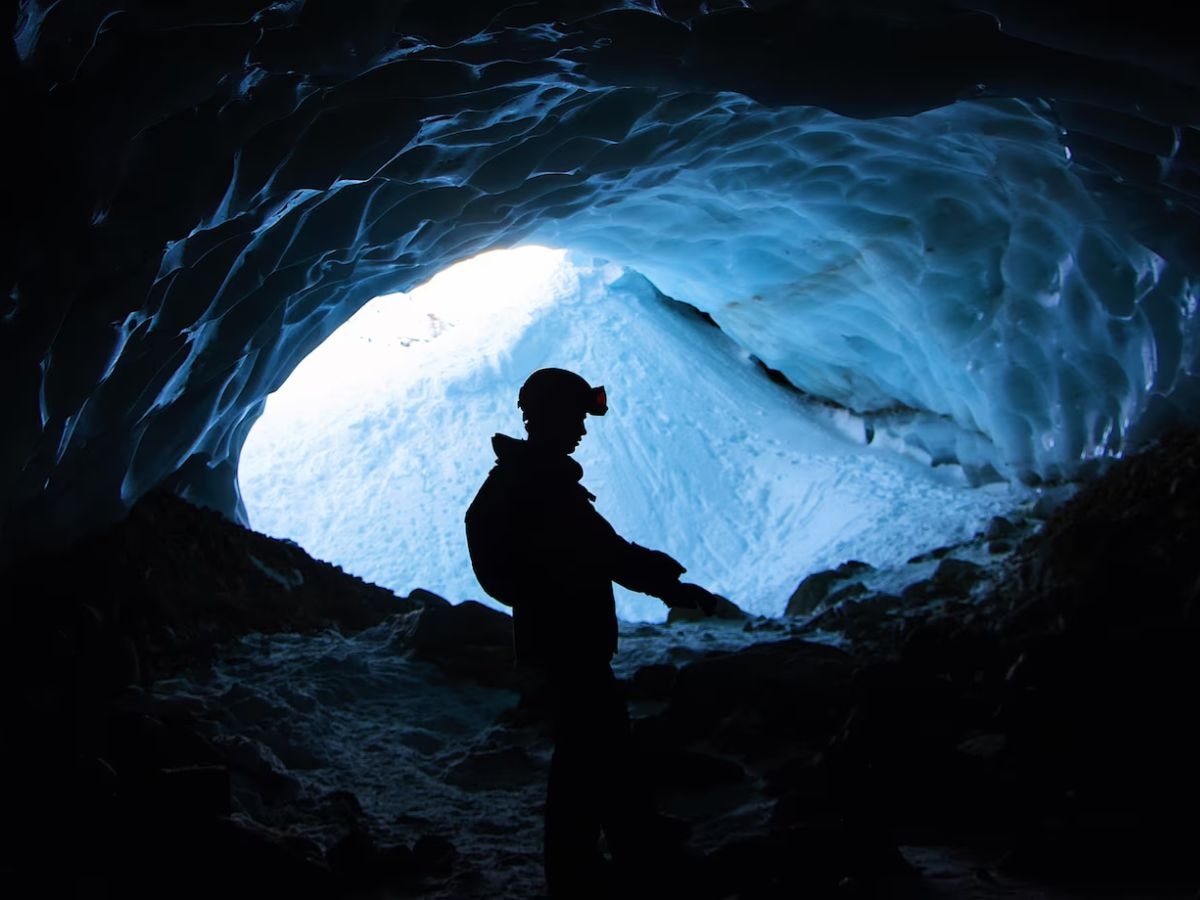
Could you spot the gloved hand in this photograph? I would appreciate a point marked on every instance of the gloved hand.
(656, 566)
(685, 595)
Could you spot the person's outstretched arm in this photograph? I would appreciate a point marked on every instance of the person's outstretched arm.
(657, 574)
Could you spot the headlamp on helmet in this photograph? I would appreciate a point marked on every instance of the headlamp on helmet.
(560, 392)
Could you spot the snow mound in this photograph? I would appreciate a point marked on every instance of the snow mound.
(369, 455)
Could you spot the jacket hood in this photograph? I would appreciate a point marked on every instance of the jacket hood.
(511, 451)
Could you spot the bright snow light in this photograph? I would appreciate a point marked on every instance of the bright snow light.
(370, 453)
(454, 323)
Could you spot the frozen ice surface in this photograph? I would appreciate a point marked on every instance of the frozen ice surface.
(371, 452)
(951, 262)
(949, 275)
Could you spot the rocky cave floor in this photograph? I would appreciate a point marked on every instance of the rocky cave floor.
(1019, 727)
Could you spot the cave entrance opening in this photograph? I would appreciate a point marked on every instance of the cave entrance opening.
(371, 451)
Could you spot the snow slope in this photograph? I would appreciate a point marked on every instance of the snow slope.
(371, 452)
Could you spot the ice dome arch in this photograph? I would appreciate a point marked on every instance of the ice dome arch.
(209, 193)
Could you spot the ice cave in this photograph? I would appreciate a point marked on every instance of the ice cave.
(897, 305)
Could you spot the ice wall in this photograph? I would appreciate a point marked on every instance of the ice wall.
(205, 194)
(950, 263)
(948, 269)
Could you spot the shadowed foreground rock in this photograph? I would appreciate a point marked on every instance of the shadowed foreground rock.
(1044, 728)
(1047, 723)
(110, 786)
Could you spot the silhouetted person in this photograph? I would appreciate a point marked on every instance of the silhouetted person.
(539, 546)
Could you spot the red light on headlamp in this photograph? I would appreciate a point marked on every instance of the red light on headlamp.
(598, 402)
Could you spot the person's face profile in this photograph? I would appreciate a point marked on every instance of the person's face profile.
(560, 432)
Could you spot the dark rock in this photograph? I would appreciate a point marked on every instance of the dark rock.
(171, 581)
(352, 859)
(1049, 503)
(653, 682)
(221, 856)
(947, 647)
(434, 855)
(1108, 852)
(691, 770)
(986, 746)
(396, 863)
(360, 863)
(192, 791)
(468, 640)
(868, 621)
(344, 803)
(997, 547)
(895, 757)
(958, 576)
(813, 591)
(952, 578)
(805, 793)
(929, 555)
(506, 768)
(436, 629)
(125, 667)
(245, 707)
(725, 609)
(808, 861)
(763, 624)
(264, 860)
(849, 592)
(999, 527)
(339, 811)
(919, 591)
(258, 764)
(95, 777)
(423, 598)
(783, 689)
(149, 742)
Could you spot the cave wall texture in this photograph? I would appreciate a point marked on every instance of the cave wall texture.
(199, 193)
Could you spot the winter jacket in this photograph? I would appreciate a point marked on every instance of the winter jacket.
(539, 546)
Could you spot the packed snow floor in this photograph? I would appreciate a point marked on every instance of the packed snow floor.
(425, 755)
(422, 753)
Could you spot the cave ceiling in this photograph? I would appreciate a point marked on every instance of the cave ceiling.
(199, 193)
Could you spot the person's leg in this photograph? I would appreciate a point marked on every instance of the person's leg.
(626, 806)
(573, 864)
(650, 853)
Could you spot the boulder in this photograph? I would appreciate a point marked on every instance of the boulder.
(691, 770)
(958, 576)
(725, 609)
(829, 859)
(999, 527)
(506, 768)
(766, 692)
(435, 629)
(434, 855)
(653, 682)
(863, 617)
(813, 591)
(360, 863)
(952, 578)
(936, 553)
(469, 640)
